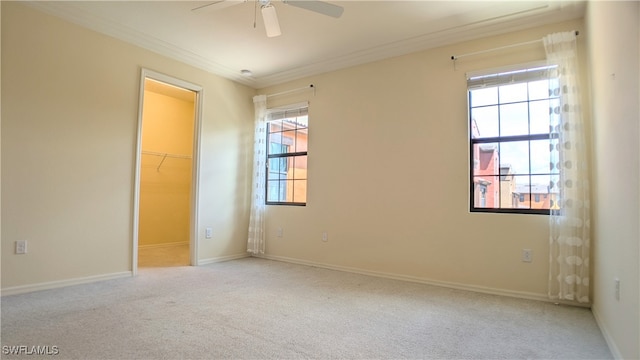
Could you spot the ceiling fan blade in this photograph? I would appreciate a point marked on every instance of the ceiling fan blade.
(217, 5)
(270, 19)
(321, 7)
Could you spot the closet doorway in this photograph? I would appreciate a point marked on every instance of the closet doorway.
(166, 173)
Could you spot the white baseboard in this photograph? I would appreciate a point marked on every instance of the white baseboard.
(222, 258)
(14, 290)
(153, 246)
(480, 289)
(606, 334)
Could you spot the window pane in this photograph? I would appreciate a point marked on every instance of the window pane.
(300, 191)
(539, 89)
(276, 190)
(300, 167)
(484, 122)
(515, 154)
(540, 196)
(485, 159)
(485, 191)
(507, 189)
(514, 119)
(301, 140)
(522, 193)
(539, 114)
(287, 179)
(275, 126)
(486, 96)
(275, 144)
(286, 186)
(302, 121)
(277, 169)
(288, 140)
(513, 93)
(540, 157)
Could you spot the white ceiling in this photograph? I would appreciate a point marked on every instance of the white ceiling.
(223, 40)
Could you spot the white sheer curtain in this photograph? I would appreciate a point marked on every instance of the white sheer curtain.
(255, 244)
(569, 220)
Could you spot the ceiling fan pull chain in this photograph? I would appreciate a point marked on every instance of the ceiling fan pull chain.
(255, 13)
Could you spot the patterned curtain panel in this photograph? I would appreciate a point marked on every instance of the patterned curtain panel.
(255, 245)
(569, 219)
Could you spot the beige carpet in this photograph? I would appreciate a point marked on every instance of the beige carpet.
(260, 309)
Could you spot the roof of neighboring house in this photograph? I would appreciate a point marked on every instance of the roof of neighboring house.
(535, 189)
(481, 181)
(488, 147)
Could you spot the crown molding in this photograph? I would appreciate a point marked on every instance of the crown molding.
(485, 24)
(131, 36)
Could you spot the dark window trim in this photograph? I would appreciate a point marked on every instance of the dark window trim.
(286, 203)
(510, 210)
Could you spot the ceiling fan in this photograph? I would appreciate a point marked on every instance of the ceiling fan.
(269, 15)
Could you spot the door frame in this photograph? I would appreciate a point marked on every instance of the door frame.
(195, 170)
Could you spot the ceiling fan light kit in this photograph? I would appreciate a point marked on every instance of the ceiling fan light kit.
(270, 19)
(269, 15)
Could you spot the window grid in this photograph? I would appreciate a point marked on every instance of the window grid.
(478, 201)
(286, 145)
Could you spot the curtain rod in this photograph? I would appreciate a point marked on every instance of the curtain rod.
(293, 90)
(456, 57)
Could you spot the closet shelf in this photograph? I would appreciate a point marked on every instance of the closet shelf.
(164, 156)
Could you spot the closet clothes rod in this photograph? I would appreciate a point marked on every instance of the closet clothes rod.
(165, 156)
(177, 156)
(456, 57)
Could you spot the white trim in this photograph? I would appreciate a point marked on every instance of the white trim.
(14, 290)
(415, 279)
(136, 178)
(606, 334)
(483, 24)
(155, 246)
(222, 258)
(195, 177)
(195, 190)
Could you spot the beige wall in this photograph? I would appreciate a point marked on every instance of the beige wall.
(165, 182)
(69, 115)
(614, 47)
(69, 123)
(388, 175)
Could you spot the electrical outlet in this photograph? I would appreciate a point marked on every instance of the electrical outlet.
(325, 236)
(617, 288)
(208, 232)
(527, 255)
(279, 232)
(21, 247)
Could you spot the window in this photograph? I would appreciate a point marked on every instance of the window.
(510, 140)
(287, 134)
